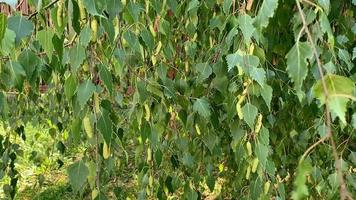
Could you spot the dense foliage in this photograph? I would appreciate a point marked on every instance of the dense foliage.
(201, 99)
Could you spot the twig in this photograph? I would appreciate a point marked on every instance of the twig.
(97, 145)
(312, 4)
(249, 5)
(313, 146)
(71, 41)
(233, 7)
(45, 8)
(343, 190)
(19, 5)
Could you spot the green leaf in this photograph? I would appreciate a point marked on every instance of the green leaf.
(148, 39)
(210, 140)
(256, 188)
(4, 107)
(70, 86)
(76, 56)
(155, 89)
(297, 63)
(8, 42)
(193, 4)
(75, 15)
(58, 46)
(261, 152)
(114, 7)
(202, 106)
(3, 25)
(92, 173)
(300, 188)
(45, 40)
(21, 26)
(353, 121)
(105, 126)
(232, 60)
(240, 59)
(77, 173)
(210, 182)
(204, 71)
(326, 28)
(259, 75)
(105, 75)
(132, 40)
(134, 10)
(75, 128)
(345, 56)
(246, 25)
(233, 32)
(266, 93)
(85, 91)
(335, 85)
(249, 112)
(85, 36)
(266, 12)
(227, 5)
(30, 61)
(17, 74)
(325, 4)
(91, 7)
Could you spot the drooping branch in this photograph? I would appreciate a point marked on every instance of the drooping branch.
(343, 191)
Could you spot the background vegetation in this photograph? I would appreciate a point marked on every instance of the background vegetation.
(168, 99)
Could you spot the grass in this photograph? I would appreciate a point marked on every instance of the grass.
(55, 192)
(40, 176)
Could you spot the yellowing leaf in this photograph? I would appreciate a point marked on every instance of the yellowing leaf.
(87, 127)
(106, 151)
(254, 165)
(335, 85)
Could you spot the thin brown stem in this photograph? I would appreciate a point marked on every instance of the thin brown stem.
(19, 4)
(305, 154)
(233, 7)
(311, 3)
(45, 8)
(97, 145)
(249, 5)
(343, 190)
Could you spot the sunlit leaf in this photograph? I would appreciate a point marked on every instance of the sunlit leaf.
(335, 85)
